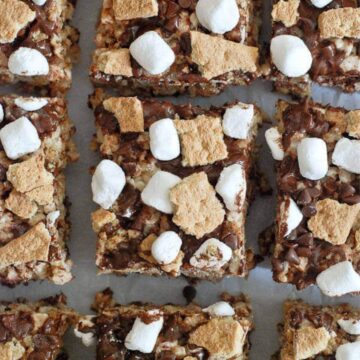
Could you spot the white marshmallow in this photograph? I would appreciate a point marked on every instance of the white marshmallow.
(166, 247)
(31, 104)
(88, 339)
(347, 155)
(156, 192)
(237, 121)
(218, 16)
(231, 186)
(2, 115)
(142, 337)
(164, 140)
(290, 55)
(221, 308)
(211, 254)
(107, 183)
(312, 158)
(349, 351)
(293, 217)
(321, 3)
(52, 217)
(339, 279)
(39, 2)
(19, 138)
(351, 326)
(273, 139)
(152, 52)
(28, 62)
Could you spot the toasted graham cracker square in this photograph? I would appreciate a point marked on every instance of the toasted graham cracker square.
(286, 12)
(130, 9)
(353, 123)
(310, 341)
(202, 140)
(114, 61)
(21, 205)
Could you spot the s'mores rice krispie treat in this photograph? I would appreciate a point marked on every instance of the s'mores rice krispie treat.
(319, 332)
(37, 44)
(317, 223)
(35, 147)
(146, 331)
(31, 331)
(174, 187)
(163, 47)
(315, 41)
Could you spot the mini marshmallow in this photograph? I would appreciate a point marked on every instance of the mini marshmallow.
(290, 55)
(293, 217)
(351, 326)
(88, 339)
(39, 2)
(211, 254)
(166, 247)
(19, 138)
(2, 115)
(142, 337)
(321, 3)
(164, 140)
(349, 351)
(339, 279)
(218, 16)
(156, 192)
(347, 155)
(52, 217)
(231, 186)
(107, 183)
(237, 121)
(152, 52)
(312, 158)
(273, 139)
(28, 62)
(221, 308)
(31, 104)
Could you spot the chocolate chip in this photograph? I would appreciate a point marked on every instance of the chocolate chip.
(306, 239)
(303, 251)
(352, 200)
(304, 197)
(278, 265)
(189, 293)
(292, 257)
(346, 190)
(185, 3)
(309, 210)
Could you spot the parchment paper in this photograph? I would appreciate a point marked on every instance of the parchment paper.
(266, 295)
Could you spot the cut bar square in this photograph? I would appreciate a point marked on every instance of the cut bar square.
(203, 63)
(34, 218)
(211, 226)
(316, 332)
(317, 231)
(37, 44)
(331, 33)
(187, 332)
(35, 330)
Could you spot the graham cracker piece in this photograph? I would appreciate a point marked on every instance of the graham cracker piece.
(333, 221)
(340, 23)
(353, 123)
(128, 111)
(130, 9)
(222, 337)
(30, 177)
(197, 209)
(15, 15)
(310, 341)
(114, 62)
(32, 246)
(145, 248)
(101, 217)
(202, 140)
(11, 350)
(286, 12)
(20, 205)
(216, 56)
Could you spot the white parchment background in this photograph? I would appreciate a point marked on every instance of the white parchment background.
(266, 295)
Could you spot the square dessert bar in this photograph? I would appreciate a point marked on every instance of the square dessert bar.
(34, 330)
(319, 332)
(164, 47)
(220, 331)
(35, 146)
(184, 214)
(317, 223)
(37, 44)
(324, 32)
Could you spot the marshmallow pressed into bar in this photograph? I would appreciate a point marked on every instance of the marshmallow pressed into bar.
(293, 217)
(221, 308)
(166, 247)
(31, 104)
(237, 121)
(273, 139)
(347, 155)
